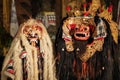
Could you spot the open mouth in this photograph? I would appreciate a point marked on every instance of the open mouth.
(81, 36)
(33, 40)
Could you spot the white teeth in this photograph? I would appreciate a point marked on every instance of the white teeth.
(34, 40)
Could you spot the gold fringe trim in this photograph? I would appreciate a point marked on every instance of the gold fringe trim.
(91, 49)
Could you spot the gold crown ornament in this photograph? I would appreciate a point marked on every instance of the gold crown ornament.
(84, 9)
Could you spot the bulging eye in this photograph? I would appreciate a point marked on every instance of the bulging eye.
(86, 28)
(72, 26)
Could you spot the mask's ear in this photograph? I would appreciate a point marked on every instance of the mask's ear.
(100, 28)
(92, 25)
(96, 22)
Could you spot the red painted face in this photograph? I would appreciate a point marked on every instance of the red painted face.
(82, 32)
(81, 27)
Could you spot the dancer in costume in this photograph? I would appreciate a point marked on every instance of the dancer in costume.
(87, 44)
(30, 56)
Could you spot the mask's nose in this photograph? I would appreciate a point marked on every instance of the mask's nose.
(83, 28)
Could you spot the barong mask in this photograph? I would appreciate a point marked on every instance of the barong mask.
(86, 42)
(33, 34)
(80, 28)
(85, 35)
(84, 30)
(31, 54)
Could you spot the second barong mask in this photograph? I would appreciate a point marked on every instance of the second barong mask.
(31, 54)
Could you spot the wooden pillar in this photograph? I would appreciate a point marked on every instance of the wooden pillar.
(1, 13)
(6, 14)
(115, 8)
(58, 10)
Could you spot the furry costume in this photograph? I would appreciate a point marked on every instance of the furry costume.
(86, 45)
(30, 56)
